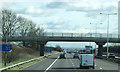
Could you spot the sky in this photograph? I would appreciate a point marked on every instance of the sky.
(67, 16)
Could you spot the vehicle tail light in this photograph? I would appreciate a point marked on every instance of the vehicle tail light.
(81, 59)
(94, 59)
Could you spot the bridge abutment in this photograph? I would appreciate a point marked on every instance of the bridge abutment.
(100, 48)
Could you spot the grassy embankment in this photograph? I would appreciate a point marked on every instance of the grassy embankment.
(20, 54)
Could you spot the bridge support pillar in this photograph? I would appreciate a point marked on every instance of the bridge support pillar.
(42, 49)
(24, 44)
(42, 45)
(100, 48)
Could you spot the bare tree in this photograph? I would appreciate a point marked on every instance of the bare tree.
(23, 30)
(40, 31)
(17, 25)
(10, 23)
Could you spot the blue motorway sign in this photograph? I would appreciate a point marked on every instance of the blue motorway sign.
(49, 50)
(5, 47)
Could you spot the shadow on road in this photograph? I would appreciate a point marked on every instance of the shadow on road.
(53, 58)
(59, 68)
(62, 58)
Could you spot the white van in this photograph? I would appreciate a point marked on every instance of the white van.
(87, 60)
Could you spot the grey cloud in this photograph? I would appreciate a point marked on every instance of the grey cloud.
(110, 9)
(63, 26)
(93, 12)
(42, 14)
(20, 11)
(52, 25)
(56, 5)
(114, 32)
(89, 10)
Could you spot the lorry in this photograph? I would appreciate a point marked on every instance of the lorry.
(87, 60)
(88, 49)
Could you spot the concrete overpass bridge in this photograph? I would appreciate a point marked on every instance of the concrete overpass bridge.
(99, 39)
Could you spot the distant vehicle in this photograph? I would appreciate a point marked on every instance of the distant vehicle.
(69, 52)
(88, 52)
(76, 55)
(87, 60)
(64, 52)
(75, 52)
(111, 55)
(62, 56)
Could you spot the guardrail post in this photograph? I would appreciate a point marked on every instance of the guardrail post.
(111, 35)
(100, 35)
(43, 34)
(52, 34)
(90, 35)
(81, 34)
(71, 34)
(62, 34)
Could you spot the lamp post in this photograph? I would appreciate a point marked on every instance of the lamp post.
(108, 14)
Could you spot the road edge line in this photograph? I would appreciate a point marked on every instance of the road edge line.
(51, 65)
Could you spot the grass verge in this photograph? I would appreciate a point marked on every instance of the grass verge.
(16, 68)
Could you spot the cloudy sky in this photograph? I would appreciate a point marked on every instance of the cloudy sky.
(73, 16)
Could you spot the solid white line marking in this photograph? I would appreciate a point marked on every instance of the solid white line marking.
(100, 68)
(51, 65)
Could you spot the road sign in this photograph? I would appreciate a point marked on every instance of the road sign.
(5, 47)
(49, 50)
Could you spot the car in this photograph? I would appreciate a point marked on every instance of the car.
(76, 55)
(111, 55)
(88, 52)
(69, 52)
(87, 60)
(64, 52)
(62, 56)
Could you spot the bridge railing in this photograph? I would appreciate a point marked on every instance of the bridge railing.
(100, 35)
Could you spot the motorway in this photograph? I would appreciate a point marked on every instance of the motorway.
(53, 63)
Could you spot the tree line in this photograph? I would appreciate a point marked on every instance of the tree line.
(15, 25)
(112, 49)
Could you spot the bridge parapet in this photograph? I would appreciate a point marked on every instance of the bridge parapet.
(86, 37)
(99, 35)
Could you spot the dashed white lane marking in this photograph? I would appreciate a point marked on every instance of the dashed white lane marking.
(51, 65)
(72, 62)
(100, 68)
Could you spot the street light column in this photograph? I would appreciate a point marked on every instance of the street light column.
(108, 36)
(108, 30)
